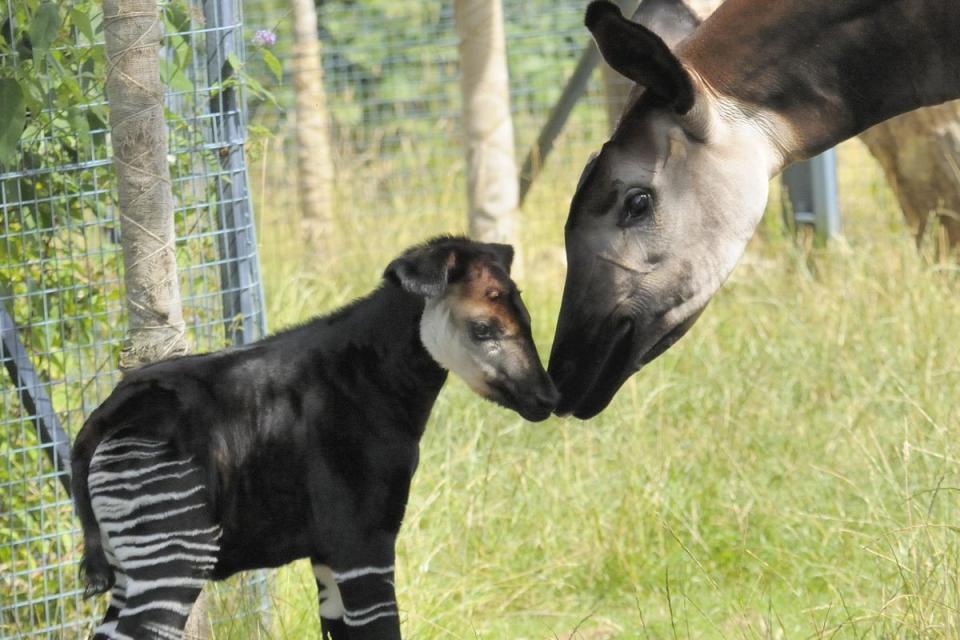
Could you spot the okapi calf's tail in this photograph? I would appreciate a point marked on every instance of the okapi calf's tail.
(94, 566)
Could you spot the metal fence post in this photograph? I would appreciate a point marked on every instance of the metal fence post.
(34, 398)
(812, 188)
(238, 259)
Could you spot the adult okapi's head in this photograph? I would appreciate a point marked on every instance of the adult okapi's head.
(659, 218)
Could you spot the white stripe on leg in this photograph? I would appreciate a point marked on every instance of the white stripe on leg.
(331, 602)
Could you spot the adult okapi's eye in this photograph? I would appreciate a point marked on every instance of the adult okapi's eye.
(481, 331)
(637, 206)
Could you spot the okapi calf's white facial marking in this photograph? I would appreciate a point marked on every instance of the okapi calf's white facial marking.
(663, 213)
(302, 445)
(480, 330)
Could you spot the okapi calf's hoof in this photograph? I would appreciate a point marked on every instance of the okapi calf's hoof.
(302, 445)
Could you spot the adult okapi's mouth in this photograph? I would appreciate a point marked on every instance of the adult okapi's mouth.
(587, 386)
(668, 340)
(589, 378)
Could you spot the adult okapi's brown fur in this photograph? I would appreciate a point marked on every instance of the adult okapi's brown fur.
(665, 210)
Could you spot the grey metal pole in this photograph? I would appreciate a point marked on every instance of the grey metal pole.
(812, 188)
(572, 91)
(238, 257)
(34, 398)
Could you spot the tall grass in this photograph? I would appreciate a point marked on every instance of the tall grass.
(788, 470)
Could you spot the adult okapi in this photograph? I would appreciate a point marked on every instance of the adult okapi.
(664, 211)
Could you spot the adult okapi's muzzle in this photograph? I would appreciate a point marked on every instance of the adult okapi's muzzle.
(592, 357)
(614, 318)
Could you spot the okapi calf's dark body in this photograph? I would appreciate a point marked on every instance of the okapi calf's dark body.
(302, 445)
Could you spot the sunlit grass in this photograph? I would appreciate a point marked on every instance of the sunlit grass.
(789, 469)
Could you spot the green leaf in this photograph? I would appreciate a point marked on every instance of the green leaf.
(43, 29)
(174, 77)
(13, 115)
(273, 64)
(79, 125)
(235, 64)
(82, 22)
(259, 90)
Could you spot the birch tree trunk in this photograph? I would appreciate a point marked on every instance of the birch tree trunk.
(314, 164)
(139, 137)
(920, 156)
(492, 187)
(155, 327)
(616, 88)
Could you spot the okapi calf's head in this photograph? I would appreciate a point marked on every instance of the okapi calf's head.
(474, 322)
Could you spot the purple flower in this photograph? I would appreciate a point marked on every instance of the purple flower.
(264, 38)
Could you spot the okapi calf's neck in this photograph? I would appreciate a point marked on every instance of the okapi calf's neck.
(302, 445)
(665, 210)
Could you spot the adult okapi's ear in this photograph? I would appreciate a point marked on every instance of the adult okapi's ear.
(424, 270)
(502, 252)
(639, 54)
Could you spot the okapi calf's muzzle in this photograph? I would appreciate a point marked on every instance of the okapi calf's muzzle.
(302, 445)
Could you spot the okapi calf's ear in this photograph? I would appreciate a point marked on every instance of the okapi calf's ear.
(640, 55)
(502, 253)
(426, 270)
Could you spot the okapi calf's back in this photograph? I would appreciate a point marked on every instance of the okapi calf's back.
(300, 445)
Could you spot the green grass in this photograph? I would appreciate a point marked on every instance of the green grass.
(788, 470)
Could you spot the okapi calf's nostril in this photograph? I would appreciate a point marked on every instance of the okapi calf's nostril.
(547, 398)
(302, 445)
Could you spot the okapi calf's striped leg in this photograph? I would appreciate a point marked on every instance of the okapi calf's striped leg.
(358, 604)
(332, 626)
(159, 533)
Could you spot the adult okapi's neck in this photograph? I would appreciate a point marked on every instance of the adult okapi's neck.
(830, 68)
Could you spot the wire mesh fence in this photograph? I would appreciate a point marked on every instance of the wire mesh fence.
(61, 288)
(392, 81)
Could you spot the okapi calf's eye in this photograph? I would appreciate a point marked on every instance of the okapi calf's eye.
(302, 445)
(481, 331)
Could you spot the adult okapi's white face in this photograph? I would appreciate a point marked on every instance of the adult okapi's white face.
(659, 218)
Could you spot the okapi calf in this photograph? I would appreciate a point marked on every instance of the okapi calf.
(300, 445)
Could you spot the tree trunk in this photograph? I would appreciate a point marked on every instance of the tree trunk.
(314, 164)
(492, 188)
(617, 90)
(139, 136)
(155, 327)
(920, 156)
(703, 8)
